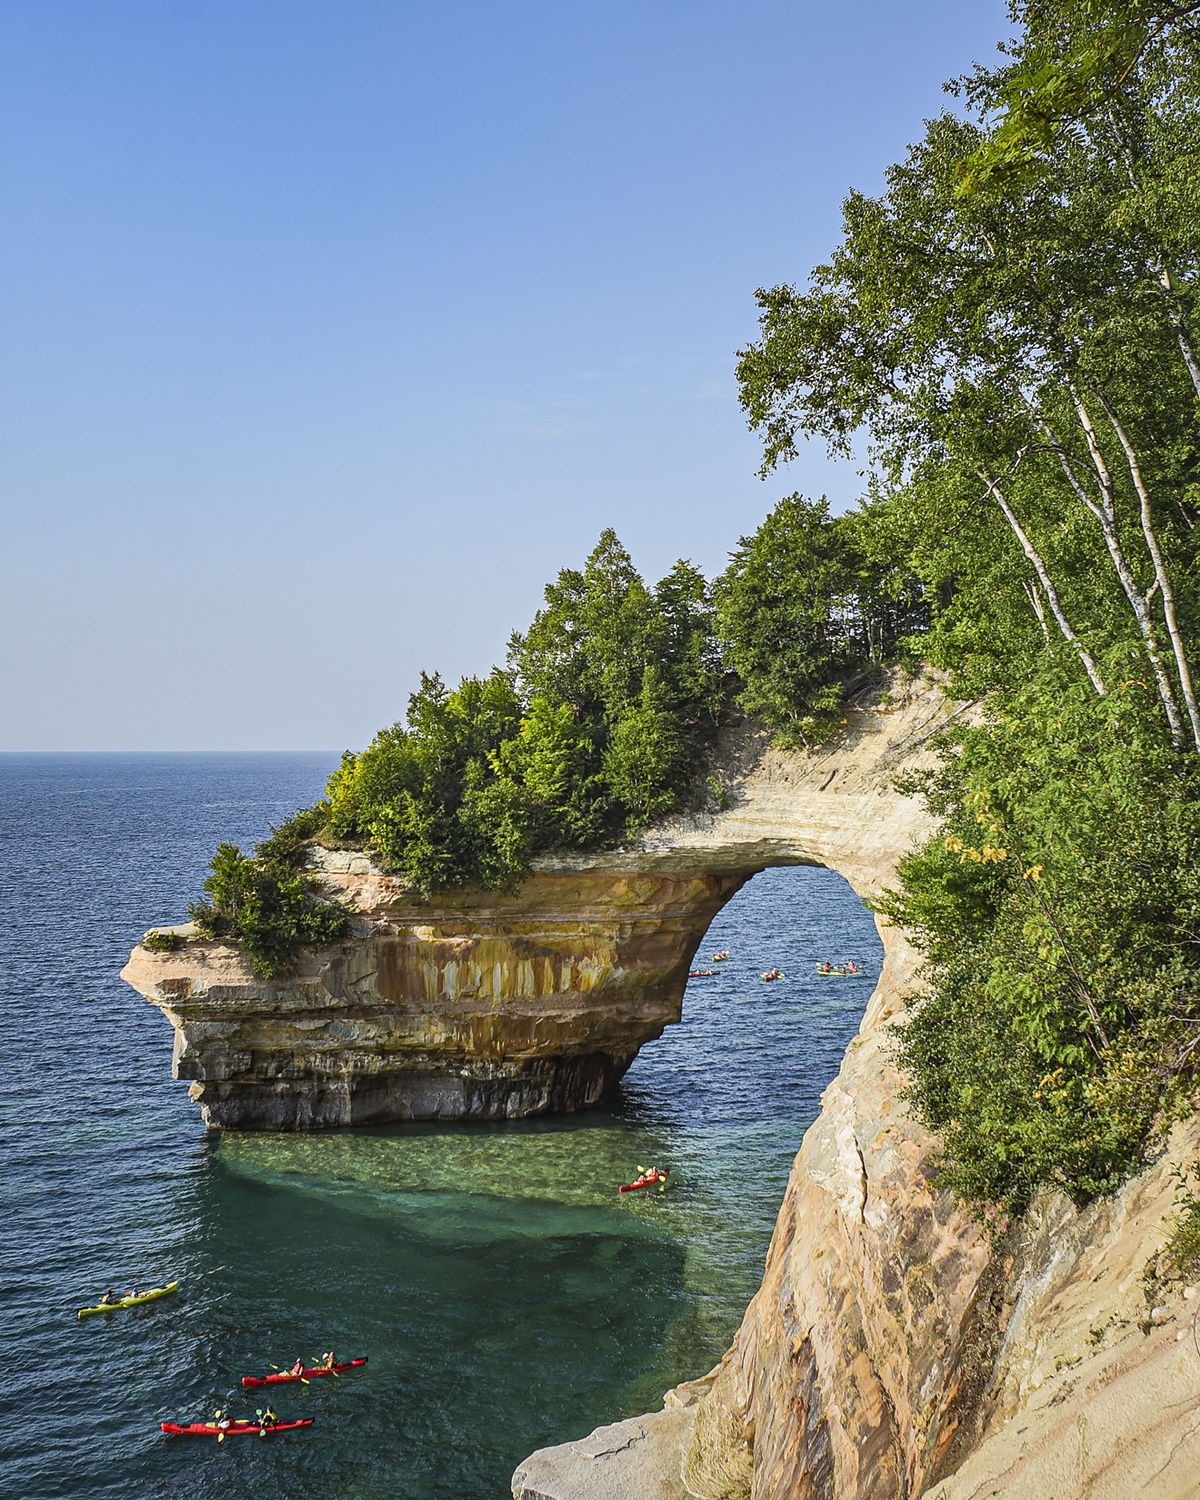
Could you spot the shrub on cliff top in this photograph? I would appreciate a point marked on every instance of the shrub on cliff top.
(162, 942)
(268, 901)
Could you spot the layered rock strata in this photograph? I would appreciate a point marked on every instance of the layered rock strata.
(481, 1008)
(485, 1005)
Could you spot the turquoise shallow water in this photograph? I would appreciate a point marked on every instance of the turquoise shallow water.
(506, 1294)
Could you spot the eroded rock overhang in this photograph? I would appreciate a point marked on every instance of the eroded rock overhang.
(486, 1005)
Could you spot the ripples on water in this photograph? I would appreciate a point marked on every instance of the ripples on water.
(507, 1296)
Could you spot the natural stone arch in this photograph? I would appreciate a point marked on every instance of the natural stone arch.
(484, 1005)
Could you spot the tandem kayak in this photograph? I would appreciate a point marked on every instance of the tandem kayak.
(656, 1176)
(230, 1429)
(281, 1377)
(151, 1296)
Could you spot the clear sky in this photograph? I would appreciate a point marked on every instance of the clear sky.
(332, 329)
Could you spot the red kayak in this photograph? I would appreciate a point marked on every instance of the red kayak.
(281, 1377)
(648, 1179)
(230, 1429)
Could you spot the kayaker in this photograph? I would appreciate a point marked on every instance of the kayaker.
(297, 1368)
(328, 1360)
(268, 1417)
(851, 967)
(107, 1298)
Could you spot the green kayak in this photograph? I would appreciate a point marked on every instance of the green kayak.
(150, 1296)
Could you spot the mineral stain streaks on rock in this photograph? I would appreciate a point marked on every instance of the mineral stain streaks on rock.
(491, 1005)
(488, 1007)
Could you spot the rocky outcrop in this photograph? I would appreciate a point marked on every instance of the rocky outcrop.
(1093, 1391)
(850, 1375)
(487, 1005)
(856, 1363)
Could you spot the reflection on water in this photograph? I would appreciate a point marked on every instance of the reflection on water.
(506, 1294)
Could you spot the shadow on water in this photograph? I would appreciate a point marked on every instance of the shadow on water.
(506, 1294)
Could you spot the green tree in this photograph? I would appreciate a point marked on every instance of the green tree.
(1016, 343)
(783, 606)
(647, 762)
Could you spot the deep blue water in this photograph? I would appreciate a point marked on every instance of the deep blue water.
(506, 1295)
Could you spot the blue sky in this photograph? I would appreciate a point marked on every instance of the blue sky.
(333, 330)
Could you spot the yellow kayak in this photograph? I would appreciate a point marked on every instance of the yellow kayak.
(150, 1296)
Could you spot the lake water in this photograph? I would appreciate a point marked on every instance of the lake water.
(507, 1296)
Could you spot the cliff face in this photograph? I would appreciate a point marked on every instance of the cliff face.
(490, 1007)
(863, 1361)
(891, 1352)
(847, 1376)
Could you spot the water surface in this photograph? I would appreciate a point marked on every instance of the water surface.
(508, 1297)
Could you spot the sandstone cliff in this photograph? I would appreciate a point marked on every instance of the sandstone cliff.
(488, 1005)
(891, 1352)
(484, 1007)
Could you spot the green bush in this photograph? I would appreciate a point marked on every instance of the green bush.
(1057, 908)
(268, 901)
(1181, 1253)
(162, 942)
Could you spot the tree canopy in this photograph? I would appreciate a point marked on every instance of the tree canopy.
(1006, 336)
(1009, 330)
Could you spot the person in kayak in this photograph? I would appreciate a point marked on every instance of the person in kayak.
(107, 1298)
(267, 1417)
(297, 1368)
(328, 1360)
(851, 967)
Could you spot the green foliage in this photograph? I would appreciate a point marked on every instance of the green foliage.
(1078, 60)
(410, 795)
(1008, 333)
(1182, 1250)
(268, 901)
(162, 942)
(596, 728)
(1058, 909)
(1021, 367)
(803, 604)
(647, 763)
(1179, 1259)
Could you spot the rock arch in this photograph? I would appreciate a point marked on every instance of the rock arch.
(485, 1005)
